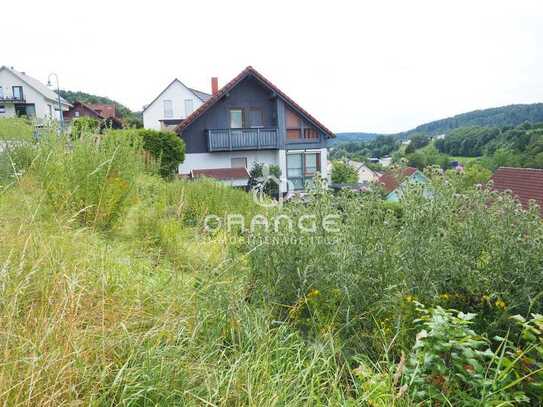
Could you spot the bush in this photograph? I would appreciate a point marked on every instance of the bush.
(343, 173)
(164, 146)
(256, 178)
(453, 250)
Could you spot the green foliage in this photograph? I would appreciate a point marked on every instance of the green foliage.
(453, 245)
(417, 141)
(84, 125)
(257, 179)
(166, 147)
(451, 363)
(91, 179)
(16, 128)
(343, 173)
(513, 115)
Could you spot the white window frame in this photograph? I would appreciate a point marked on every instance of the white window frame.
(168, 108)
(189, 107)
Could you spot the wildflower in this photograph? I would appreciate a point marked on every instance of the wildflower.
(500, 304)
(409, 298)
(444, 296)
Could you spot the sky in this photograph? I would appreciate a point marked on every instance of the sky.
(374, 66)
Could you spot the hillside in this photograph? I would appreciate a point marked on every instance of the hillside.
(132, 118)
(353, 136)
(512, 115)
(505, 116)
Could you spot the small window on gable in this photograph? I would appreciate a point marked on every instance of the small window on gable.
(168, 109)
(236, 118)
(189, 106)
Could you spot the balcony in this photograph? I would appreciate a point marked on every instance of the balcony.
(242, 139)
(12, 99)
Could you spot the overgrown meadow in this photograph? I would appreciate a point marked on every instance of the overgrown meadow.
(112, 291)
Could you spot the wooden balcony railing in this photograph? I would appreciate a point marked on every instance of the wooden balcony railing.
(242, 139)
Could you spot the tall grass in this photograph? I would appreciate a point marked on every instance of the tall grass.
(112, 292)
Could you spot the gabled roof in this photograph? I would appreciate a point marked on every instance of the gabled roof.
(524, 183)
(391, 181)
(221, 173)
(36, 85)
(105, 110)
(199, 94)
(249, 71)
(97, 114)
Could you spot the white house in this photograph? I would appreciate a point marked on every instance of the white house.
(23, 95)
(172, 106)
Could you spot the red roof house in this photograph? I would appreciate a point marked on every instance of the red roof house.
(391, 181)
(524, 183)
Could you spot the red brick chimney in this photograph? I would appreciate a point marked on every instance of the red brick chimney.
(214, 85)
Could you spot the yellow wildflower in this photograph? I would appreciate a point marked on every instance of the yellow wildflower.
(500, 304)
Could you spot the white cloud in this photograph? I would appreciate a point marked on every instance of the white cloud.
(356, 65)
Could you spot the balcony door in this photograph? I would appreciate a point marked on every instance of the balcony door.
(17, 92)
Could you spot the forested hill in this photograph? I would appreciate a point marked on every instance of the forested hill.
(512, 115)
(133, 118)
(505, 116)
(354, 136)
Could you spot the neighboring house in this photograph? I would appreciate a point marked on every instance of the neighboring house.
(250, 120)
(80, 109)
(525, 184)
(23, 95)
(173, 105)
(394, 183)
(365, 174)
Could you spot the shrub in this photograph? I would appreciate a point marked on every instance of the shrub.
(454, 250)
(343, 173)
(164, 146)
(84, 125)
(256, 178)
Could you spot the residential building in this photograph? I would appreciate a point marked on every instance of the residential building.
(394, 182)
(525, 184)
(23, 95)
(365, 174)
(106, 115)
(172, 106)
(250, 120)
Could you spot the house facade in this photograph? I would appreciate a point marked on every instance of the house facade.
(103, 115)
(250, 120)
(172, 106)
(23, 95)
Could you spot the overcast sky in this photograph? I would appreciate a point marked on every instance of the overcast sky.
(376, 66)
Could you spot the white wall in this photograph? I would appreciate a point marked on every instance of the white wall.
(222, 160)
(177, 93)
(8, 79)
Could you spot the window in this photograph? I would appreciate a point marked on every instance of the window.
(189, 106)
(238, 162)
(297, 129)
(51, 111)
(236, 119)
(2, 109)
(76, 114)
(256, 118)
(17, 92)
(1, 92)
(168, 109)
(301, 168)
